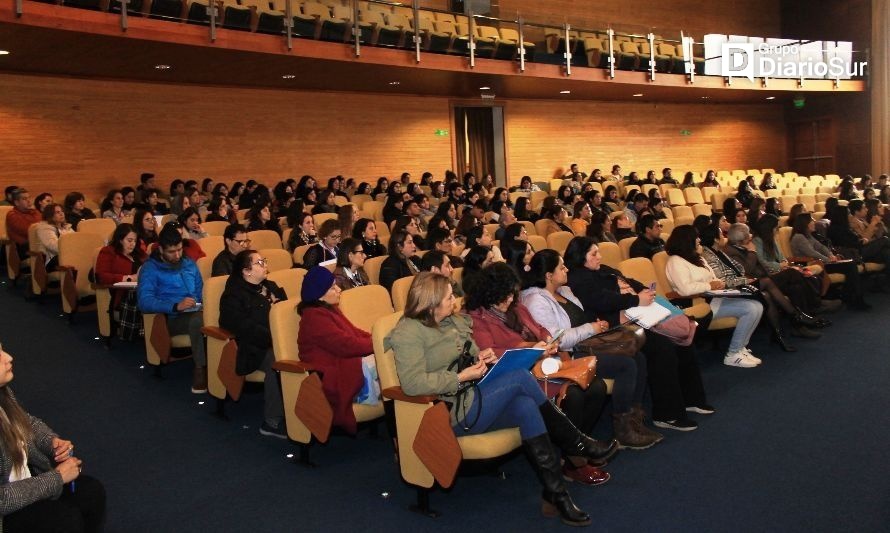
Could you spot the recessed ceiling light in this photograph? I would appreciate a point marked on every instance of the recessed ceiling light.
(485, 88)
(4, 52)
(770, 97)
(288, 76)
(565, 92)
(395, 83)
(162, 67)
(639, 94)
(705, 97)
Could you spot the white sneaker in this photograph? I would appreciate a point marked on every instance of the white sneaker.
(751, 355)
(739, 359)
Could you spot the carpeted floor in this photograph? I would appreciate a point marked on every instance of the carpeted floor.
(797, 445)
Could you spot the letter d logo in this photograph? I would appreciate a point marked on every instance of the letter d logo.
(738, 60)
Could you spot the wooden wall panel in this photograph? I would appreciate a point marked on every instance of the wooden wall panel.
(60, 134)
(740, 17)
(544, 138)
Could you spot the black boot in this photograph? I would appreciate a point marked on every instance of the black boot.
(556, 500)
(780, 340)
(571, 440)
(803, 319)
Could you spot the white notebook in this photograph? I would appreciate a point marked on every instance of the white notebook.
(648, 315)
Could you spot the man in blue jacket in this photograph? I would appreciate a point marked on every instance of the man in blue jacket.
(170, 283)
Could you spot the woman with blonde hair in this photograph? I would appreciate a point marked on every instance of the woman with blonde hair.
(429, 340)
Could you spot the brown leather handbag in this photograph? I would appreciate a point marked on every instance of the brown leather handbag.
(625, 340)
(580, 371)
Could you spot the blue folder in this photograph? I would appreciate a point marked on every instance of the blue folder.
(523, 358)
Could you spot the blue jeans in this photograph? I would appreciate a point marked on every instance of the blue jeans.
(510, 400)
(748, 313)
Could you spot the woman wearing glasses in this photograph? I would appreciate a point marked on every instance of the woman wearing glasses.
(329, 236)
(244, 310)
(350, 271)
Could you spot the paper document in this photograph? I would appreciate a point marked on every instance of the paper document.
(125, 285)
(523, 358)
(649, 315)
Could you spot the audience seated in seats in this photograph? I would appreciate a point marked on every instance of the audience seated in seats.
(649, 240)
(733, 274)
(303, 232)
(690, 275)
(446, 211)
(409, 224)
(179, 203)
(177, 188)
(517, 255)
(146, 227)
(236, 241)
(392, 209)
(766, 184)
(615, 175)
(38, 471)
(120, 261)
(19, 219)
(622, 227)
(428, 341)
(327, 247)
(771, 206)
(382, 185)
(755, 211)
(802, 288)
(656, 207)
(49, 230)
(639, 206)
(523, 212)
(744, 195)
(551, 303)
(667, 177)
(365, 230)
(565, 194)
(347, 217)
(260, 217)
(325, 203)
(218, 210)
(330, 343)
(847, 191)
(130, 203)
(527, 186)
(350, 271)
(674, 379)
(555, 218)
(479, 236)
(170, 283)
(113, 206)
(633, 179)
(439, 262)
(147, 182)
(599, 227)
(306, 184)
(506, 218)
(476, 258)
(688, 181)
(190, 219)
(153, 204)
(244, 311)
(804, 244)
(581, 217)
(871, 232)
(75, 209)
(575, 175)
(711, 180)
(401, 261)
(439, 239)
(43, 199)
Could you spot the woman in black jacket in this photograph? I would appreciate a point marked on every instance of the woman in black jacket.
(674, 378)
(401, 261)
(244, 311)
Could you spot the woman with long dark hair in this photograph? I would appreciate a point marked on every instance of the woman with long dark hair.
(401, 262)
(552, 304)
(689, 275)
(38, 472)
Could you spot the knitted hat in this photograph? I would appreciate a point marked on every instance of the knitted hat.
(317, 282)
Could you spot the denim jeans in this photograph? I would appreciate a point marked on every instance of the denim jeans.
(509, 400)
(748, 313)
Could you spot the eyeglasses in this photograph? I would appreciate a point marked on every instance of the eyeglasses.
(243, 242)
(261, 261)
(359, 251)
(335, 236)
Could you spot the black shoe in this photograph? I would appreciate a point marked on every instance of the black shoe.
(681, 424)
(571, 440)
(556, 499)
(703, 409)
(804, 332)
(279, 432)
(782, 342)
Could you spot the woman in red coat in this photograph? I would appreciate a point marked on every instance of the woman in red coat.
(331, 344)
(120, 260)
